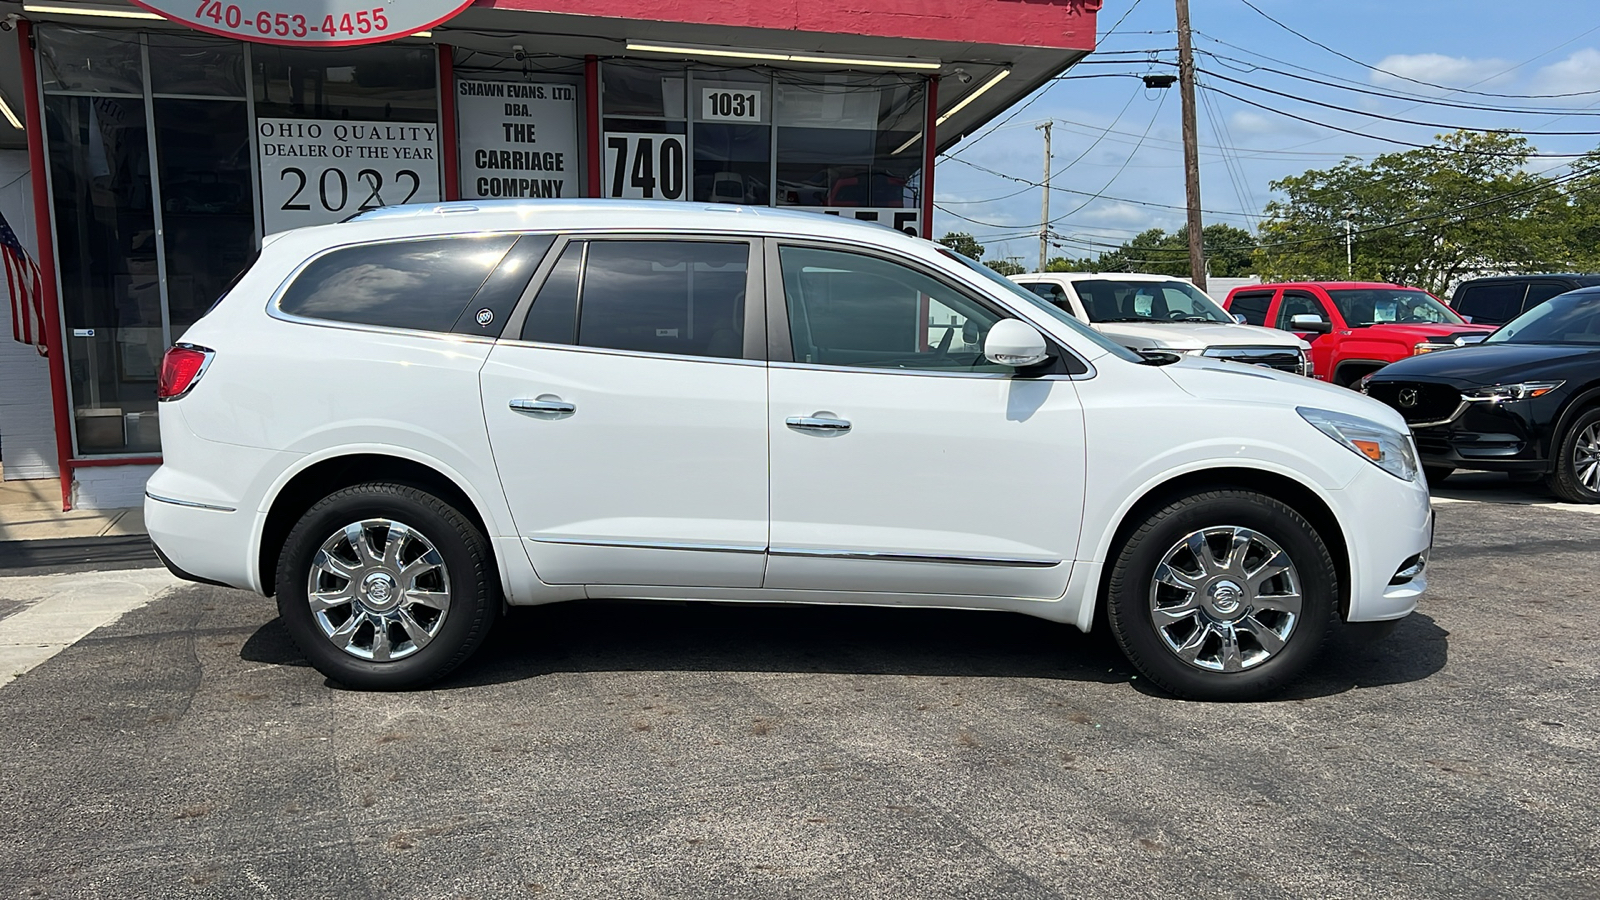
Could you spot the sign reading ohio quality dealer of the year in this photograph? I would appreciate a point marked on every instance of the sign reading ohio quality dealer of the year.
(517, 139)
(317, 171)
(323, 23)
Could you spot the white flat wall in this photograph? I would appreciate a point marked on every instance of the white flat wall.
(27, 422)
(109, 487)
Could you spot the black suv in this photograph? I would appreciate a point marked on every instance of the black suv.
(1525, 400)
(1497, 300)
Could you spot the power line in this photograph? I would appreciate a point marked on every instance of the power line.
(1373, 115)
(1365, 65)
(1053, 187)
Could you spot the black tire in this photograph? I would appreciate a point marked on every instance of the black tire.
(472, 586)
(1575, 459)
(1437, 474)
(1132, 587)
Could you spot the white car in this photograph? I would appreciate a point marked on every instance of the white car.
(402, 423)
(1161, 313)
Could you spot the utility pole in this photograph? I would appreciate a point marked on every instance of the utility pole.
(1044, 212)
(1191, 149)
(1349, 234)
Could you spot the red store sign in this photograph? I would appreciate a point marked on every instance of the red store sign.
(317, 23)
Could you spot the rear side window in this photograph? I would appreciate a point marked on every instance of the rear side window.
(1491, 304)
(1253, 306)
(680, 297)
(419, 285)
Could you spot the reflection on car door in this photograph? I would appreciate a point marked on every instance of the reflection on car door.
(902, 460)
(628, 414)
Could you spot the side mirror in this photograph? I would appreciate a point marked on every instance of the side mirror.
(1309, 323)
(1015, 343)
(1240, 320)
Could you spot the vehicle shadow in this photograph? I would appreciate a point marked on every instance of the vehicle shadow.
(1495, 487)
(622, 636)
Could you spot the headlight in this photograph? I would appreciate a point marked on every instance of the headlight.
(1500, 393)
(1422, 347)
(1380, 445)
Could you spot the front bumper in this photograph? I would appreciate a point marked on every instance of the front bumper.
(1496, 437)
(1389, 528)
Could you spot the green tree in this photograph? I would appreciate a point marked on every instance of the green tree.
(964, 244)
(1229, 252)
(1005, 267)
(1426, 217)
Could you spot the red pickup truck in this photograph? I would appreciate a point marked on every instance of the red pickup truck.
(1354, 327)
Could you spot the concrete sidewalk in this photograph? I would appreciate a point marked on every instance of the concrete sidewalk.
(31, 511)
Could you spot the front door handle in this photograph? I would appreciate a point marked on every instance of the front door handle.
(818, 424)
(545, 404)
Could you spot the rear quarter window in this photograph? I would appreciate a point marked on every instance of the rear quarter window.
(1490, 303)
(420, 285)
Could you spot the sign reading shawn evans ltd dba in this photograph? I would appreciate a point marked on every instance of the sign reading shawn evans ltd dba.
(517, 139)
(321, 23)
(317, 171)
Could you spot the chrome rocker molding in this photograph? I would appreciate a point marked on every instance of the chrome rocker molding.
(1004, 561)
(190, 503)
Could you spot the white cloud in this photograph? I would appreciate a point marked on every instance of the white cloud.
(1436, 68)
(1578, 72)
(1116, 213)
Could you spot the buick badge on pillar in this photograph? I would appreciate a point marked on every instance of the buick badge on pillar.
(321, 23)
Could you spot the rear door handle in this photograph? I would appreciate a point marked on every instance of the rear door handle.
(818, 424)
(547, 404)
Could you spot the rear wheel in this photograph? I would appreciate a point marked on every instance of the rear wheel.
(1224, 595)
(386, 587)
(1576, 478)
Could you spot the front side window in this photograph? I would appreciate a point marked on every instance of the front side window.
(420, 285)
(1115, 300)
(848, 309)
(1540, 291)
(1377, 306)
(1298, 303)
(1568, 319)
(1252, 306)
(681, 297)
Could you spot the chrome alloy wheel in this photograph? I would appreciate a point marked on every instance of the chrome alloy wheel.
(1225, 599)
(1586, 458)
(378, 590)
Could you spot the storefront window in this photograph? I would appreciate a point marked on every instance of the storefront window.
(732, 138)
(208, 210)
(849, 141)
(182, 64)
(74, 59)
(370, 84)
(644, 152)
(110, 287)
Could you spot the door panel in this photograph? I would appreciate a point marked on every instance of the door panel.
(629, 433)
(941, 485)
(903, 461)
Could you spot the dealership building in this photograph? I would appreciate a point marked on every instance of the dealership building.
(146, 149)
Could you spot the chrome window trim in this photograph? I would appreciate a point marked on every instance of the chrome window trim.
(191, 504)
(872, 370)
(650, 545)
(1017, 562)
(638, 354)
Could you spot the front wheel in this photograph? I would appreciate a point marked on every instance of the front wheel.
(1576, 478)
(1224, 595)
(386, 587)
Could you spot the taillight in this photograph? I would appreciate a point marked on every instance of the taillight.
(181, 369)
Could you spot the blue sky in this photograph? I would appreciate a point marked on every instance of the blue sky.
(1537, 47)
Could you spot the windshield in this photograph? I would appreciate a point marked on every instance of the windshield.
(1379, 306)
(1112, 300)
(1567, 319)
(1034, 301)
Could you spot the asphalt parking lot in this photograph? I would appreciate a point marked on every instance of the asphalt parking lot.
(634, 750)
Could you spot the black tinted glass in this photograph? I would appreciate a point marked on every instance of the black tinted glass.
(1572, 318)
(1490, 303)
(499, 295)
(1252, 306)
(683, 297)
(422, 285)
(553, 318)
(1540, 291)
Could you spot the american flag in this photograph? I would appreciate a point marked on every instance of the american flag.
(22, 280)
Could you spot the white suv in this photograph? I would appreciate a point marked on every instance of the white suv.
(402, 423)
(1161, 313)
